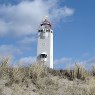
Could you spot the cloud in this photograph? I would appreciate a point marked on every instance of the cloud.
(62, 63)
(62, 13)
(68, 11)
(27, 41)
(15, 57)
(24, 18)
(21, 19)
(26, 61)
(88, 63)
(9, 51)
(62, 60)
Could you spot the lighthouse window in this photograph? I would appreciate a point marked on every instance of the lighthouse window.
(43, 35)
(43, 56)
(51, 31)
(40, 30)
(48, 30)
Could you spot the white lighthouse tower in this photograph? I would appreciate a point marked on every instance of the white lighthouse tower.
(45, 44)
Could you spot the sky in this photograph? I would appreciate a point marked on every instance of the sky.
(73, 24)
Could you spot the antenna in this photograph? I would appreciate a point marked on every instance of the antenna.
(45, 18)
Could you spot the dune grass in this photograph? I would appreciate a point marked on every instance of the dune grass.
(37, 79)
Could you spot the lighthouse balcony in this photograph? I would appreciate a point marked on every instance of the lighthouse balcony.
(44, 30)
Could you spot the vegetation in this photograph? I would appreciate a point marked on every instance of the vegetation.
(40, 80)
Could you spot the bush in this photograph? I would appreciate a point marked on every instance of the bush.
(38, 70)
(80, 72)
(4, 68)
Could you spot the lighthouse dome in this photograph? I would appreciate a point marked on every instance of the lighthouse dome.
(46, 24)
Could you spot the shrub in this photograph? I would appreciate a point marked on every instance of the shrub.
(38, 69)
(80, 72)
(93, 70)
(4, 68)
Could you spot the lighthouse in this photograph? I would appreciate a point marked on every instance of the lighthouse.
(45, 43)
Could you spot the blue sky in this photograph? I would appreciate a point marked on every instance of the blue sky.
(73, 22)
